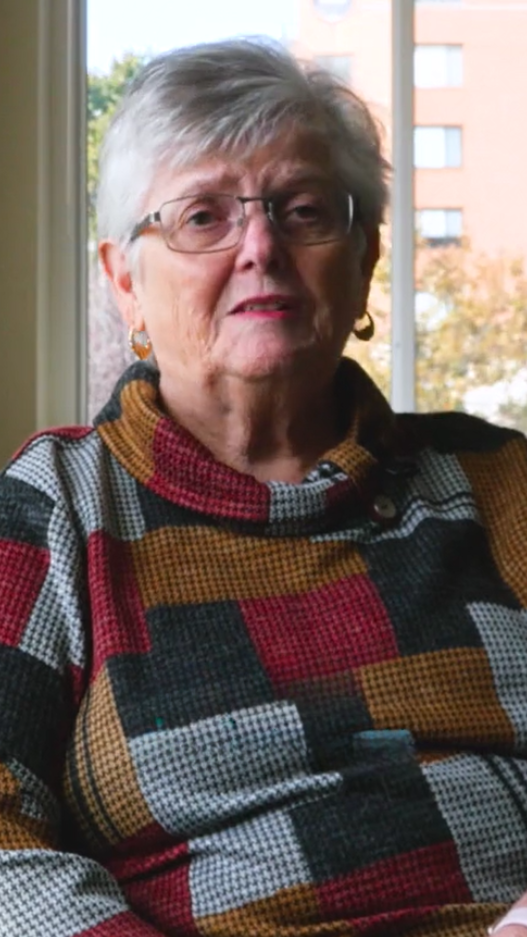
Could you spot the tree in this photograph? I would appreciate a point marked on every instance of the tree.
(470, 324)
(108, 352)
(475, 336)
(103, 95)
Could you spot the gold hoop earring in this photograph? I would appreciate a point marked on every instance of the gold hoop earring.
(141, 349)
(366, 332)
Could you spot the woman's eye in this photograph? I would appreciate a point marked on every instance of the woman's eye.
(307, 210)
(201, 218)
(304, 210)
(204, 213)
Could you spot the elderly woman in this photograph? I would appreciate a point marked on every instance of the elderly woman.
(263, 663)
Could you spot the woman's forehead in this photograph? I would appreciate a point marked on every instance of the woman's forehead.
(269, 166)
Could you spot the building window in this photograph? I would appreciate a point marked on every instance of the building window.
(338, 65)
(332, 10)
(438, 66)
(440, 226)
(437, 147)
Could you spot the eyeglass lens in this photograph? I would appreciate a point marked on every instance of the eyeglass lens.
(215, 222)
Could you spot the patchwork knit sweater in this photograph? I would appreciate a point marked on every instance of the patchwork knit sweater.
(230, 708)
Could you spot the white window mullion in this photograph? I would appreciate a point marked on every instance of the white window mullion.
(403, 319)
(61, 375)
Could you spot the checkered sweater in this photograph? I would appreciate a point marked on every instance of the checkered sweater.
(230, 708)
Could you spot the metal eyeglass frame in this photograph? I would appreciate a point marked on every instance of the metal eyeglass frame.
(267, 201)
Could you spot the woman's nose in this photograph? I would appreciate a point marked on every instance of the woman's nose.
(260, 244)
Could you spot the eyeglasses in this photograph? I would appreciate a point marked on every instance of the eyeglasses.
(201, 224)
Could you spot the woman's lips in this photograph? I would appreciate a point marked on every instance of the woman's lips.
(266, 313)
(270, 305)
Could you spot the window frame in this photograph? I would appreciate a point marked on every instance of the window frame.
(61, 365)
(403, 336)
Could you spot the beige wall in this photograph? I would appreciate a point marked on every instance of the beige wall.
(18, 214)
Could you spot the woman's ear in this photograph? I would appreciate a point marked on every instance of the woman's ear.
(372, 251)
(368, 248)
(116, 265)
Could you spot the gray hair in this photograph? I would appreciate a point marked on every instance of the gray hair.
(228, 97)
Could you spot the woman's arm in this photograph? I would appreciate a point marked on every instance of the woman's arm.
(514, 922)
(43, 890)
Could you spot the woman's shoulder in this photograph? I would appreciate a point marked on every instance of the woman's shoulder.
(53, 440)
(52, 464)
(455, 432)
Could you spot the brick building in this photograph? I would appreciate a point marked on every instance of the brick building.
(470, 136)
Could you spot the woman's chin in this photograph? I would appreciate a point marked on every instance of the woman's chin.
(267, 362)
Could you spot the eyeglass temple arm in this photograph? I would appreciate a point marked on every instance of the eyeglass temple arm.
(145, 223)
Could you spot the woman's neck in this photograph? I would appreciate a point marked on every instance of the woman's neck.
(274, 431)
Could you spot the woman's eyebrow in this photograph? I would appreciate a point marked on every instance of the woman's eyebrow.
(307, 178)
(295, 180)
(227, 181)
(213, 183)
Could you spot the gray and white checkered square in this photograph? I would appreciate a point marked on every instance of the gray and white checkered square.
(489, 830)
(198, 776)
(504, 635)
(50, 894)
(36, 466)
(62, 640)
(297, 501)
(247, 862)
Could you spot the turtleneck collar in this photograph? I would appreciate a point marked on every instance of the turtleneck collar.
(168, 460)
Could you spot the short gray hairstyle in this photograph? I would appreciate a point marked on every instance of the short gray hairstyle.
(228, 97)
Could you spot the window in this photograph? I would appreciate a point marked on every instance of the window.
(437, 147)
(338, 65)
(420, 361)
(440, 226)
(332, 10)
(438, 66)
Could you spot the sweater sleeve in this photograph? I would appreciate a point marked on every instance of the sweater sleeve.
(44, 889)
